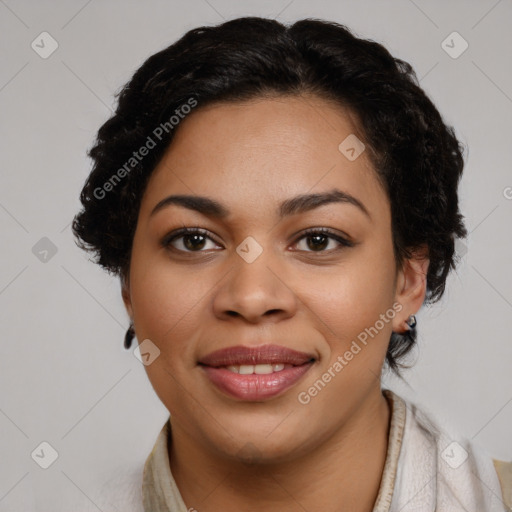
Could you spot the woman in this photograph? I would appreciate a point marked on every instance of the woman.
(278, 203)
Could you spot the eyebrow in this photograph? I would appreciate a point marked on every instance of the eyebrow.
(293, 206)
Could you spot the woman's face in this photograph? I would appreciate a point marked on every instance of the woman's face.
(252, 278)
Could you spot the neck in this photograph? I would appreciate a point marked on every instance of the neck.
(345, 469)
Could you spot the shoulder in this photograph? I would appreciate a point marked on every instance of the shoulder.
(452, 446)
(463, 474)
(122, 490)
(504, 471)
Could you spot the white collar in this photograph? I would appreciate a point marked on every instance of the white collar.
(416, 476)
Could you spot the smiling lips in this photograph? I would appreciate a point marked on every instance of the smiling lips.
(255, 373)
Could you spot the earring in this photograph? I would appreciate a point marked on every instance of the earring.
(128, 337)
(411, 322)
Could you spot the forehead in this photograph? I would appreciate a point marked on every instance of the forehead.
(257, 153)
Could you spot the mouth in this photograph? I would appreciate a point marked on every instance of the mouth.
(258, 369)
(255, 373)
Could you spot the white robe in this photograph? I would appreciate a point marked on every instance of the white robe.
(426, 470)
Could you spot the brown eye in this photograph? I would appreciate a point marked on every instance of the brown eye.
(318, 240)
(187, 240)
(193, 242)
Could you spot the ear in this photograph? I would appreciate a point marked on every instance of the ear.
(125, 293)
(411, 287)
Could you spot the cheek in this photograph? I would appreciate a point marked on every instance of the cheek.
(165, 301)
(355, 304)
(353, 293)
(160, 306)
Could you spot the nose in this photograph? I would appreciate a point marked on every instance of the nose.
(255, 292)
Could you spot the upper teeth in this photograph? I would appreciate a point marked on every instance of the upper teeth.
(260, 369)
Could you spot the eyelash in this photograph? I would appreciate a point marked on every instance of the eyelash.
(171, 237)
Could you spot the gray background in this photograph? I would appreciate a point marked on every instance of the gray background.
(65, 377)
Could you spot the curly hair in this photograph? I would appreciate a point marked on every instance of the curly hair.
(416, 156)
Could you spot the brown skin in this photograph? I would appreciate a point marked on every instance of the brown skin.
(276, 454)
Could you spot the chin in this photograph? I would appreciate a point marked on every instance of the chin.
(263, 445)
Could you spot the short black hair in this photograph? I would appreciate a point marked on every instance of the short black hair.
(416, 156)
